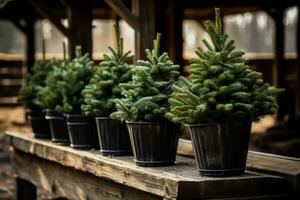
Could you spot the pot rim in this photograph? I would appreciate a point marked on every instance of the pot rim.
(48, 110)
(34, 110)
(211, 124)
(144, 122)
(103, 118)
(75, 115)
(206, 124)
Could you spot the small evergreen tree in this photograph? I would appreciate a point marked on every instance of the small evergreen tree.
(50, 96)
(36, 80)
(146, 96)
(221, 86)
(104, 87)
(74, 78)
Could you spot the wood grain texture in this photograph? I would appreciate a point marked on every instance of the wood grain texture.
(286, 167)
(70, 183)
(180, 181)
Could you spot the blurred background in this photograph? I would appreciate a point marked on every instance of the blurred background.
(268, 31)
(257, 30)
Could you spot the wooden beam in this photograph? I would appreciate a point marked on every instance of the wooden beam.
(122, 10)
(21, 27)
(47, 13)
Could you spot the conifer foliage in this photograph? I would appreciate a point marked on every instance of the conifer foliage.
(49, 96)
(36, 80)
(104, 87)
(74, 78)
(145, 98)
(221, 87)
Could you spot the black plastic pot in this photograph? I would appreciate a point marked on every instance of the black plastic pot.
(40, 126)
(220, 149)
(154, 143)
(95, 140)
(58, 127)
(113, 137)
(80, 130)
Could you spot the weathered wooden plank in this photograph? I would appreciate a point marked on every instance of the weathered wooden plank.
(262, 162)
(11, 82)
(9, 101)
(179, 181)
(70, 183)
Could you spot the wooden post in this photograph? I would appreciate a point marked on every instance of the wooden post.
(279, 59)
(145, 10)
(30, 44)
(175, 42)
(80, 26)
(25, 190)
(298, 66)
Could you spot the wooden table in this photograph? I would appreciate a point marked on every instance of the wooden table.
(76, 174)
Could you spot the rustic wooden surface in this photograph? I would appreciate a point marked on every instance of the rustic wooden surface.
(71, 183)
(33, 157)
(262, 162)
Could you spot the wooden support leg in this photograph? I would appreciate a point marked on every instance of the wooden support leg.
(25, 190)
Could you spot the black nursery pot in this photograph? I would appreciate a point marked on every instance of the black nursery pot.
(81, 131)
(220, 149)
(113, 137)
(58, 127)
(39, 124)
(154, 143)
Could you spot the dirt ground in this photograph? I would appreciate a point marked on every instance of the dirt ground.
(11, 119)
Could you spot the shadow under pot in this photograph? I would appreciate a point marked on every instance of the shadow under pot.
(58, 127)
(40, 126)
(220, 149)
(154, 144)
(113, 137)
(80, 130)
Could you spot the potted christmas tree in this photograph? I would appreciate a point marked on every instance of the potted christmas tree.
(28, 96)
(99, 97)
(218, 102)
(74, 78)
(153, 137)
(49, 97)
